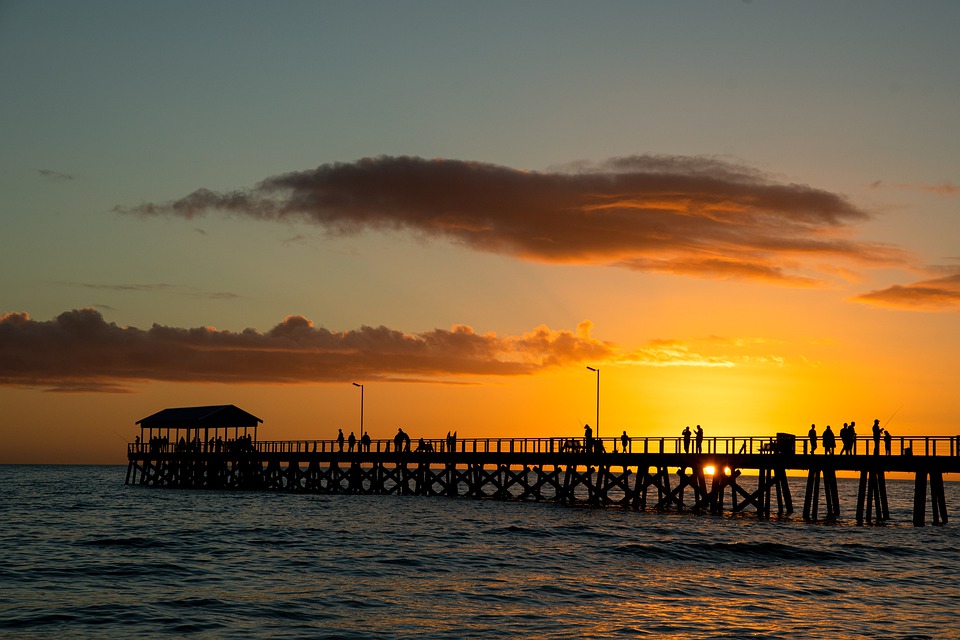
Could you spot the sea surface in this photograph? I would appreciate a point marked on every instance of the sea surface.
(83, 556)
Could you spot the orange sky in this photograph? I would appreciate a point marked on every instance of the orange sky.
(748, 237)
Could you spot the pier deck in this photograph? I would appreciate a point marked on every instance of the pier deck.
(651, 473)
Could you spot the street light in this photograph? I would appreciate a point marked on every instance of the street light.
(356, 384)
(597, 370)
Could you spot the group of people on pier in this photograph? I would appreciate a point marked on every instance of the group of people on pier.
(352, 441)
(401, 442)
(697, 438)
(591, 444)
(691, 439)
(213, 445)
(848, 438)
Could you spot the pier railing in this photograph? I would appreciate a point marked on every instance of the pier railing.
(783, 443)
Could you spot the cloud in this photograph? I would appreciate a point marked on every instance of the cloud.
(80, 351)
(673, 353)
(731, 352)
(55, 175)
(694, 216)
(156, 287)
(944, 189)
(937, 294)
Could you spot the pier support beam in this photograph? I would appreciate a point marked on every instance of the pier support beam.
(871, 495)
(811, 499)
(938, 503)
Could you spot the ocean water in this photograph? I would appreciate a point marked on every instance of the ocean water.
(83, 556)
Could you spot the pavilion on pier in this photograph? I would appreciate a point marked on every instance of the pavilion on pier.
(198, 427)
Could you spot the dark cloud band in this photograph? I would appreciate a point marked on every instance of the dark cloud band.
(672, 214)
(80, 351)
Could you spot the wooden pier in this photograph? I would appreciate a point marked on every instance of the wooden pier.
(216, 448)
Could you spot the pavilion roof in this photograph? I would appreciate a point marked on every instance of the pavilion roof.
(212, 417)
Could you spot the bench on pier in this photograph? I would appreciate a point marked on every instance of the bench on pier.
(784, 443)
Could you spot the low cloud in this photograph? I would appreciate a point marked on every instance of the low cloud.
(155, 288)
(936, 294)
(943, 189)
(693, 216)
(56, 176)
(710, 352)
(80, 351)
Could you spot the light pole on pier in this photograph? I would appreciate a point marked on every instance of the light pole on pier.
(597, 370)
(357, 384)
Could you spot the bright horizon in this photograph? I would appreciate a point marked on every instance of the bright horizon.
(745, 215)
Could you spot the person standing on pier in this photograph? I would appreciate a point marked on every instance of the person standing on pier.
(686, 439)
(887, 441)
(587, 438)
(843, 438)
(351, 442)
(829, 441)
(699, 439)
(812, 436)
(365, 442)
(625, 441)
(877, 430)
(340, 439)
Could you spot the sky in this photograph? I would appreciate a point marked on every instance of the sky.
(745, 215)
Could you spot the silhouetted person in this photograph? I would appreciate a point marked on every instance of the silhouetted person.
(699, 439)
(340, 439)
(887, 441)
(399, 439)
(351, 442)
(625, 441)
(829, 441)
(587, 438)
(852, 434)
(686, 439)
(877, 430)
(812, 437)
(848, 437)
(365, 442)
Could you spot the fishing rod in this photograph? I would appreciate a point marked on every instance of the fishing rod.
(121, 437)
(891, 417)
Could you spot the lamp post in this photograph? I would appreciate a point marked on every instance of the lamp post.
(356, 384)
(597, 370)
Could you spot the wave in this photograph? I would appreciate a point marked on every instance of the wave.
(130, 543)
(734, 552)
